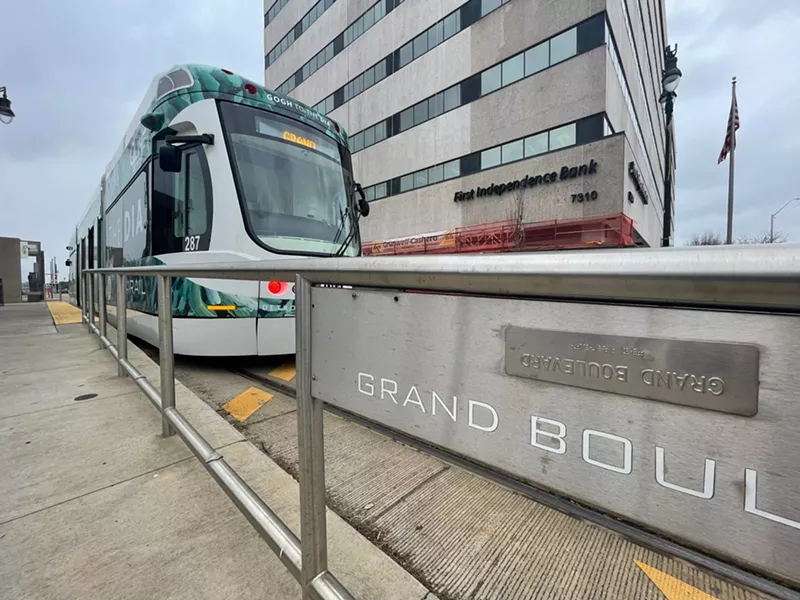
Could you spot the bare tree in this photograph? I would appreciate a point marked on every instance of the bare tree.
(516, 214)
(709, 238)
(778, 237)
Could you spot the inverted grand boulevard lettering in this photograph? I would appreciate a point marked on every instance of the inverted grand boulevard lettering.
(710, 375)
(498, 189)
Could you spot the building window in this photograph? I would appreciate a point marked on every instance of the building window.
(452, 98)
(537, 58)
(562, 137)
(421, 178)
(406, 183)
(452, 169)
(380, 191)
(452, 24)
(513, 69)
(488, 6)
(421, 112)
(490, 158)
(491, 80)
(564, 46)
(512, 151)
(407, 119)
(436, 174)
(406, 54)
(536, 144)
(420, 44)
(435, 35)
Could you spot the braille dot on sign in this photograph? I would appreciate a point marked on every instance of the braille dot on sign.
(85, 397)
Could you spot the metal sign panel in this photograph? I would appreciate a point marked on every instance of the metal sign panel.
(433, 367)
(708, 375)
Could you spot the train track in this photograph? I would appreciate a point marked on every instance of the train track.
(637, 535)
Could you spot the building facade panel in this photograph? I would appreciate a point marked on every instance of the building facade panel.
(440, 68)
(289, 16)
(434, 208)
(561, 94)
(327, 26)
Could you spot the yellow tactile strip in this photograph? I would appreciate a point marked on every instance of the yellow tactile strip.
(246, 403)
(286, 372)
(64, 313)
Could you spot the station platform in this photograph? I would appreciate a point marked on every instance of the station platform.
(94, 503)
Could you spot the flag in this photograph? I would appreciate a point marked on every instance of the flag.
(733, 116)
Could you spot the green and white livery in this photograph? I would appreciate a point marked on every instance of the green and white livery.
(217, 168)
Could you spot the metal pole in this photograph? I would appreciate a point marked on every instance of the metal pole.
(166, 356)
(101, 305)
(122, 322)
(310, 449)
(667, 234)
(732, 133)
(772, 229)
(84, 283)
(90, 289)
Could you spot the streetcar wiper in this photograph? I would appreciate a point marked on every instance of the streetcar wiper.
(343, 223)
(347, 216)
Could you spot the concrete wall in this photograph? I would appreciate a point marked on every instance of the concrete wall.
(10, 270)
(433, 208)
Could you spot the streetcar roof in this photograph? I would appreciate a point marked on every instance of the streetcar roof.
(177, 88)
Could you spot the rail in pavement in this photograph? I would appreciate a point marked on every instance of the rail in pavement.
(95, 503)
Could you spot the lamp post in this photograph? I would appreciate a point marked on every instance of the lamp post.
(670, 79)
(772, 220)
(6, 114)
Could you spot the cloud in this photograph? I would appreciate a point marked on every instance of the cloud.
(754, 42)
(76, 72)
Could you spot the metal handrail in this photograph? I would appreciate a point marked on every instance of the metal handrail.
(724, 276)
(730, 277)
(306, 560)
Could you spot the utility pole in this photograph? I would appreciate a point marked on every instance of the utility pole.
(772, 220)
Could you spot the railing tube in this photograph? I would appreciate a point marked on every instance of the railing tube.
(84, 286)
(122, 323)
(310, 449)
(166, 356)
(90, 289)
(101, 306)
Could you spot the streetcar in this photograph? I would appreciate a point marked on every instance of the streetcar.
(215, 168)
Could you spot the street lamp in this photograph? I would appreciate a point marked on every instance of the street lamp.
(670, 79)
(772, 220)
(6, 114)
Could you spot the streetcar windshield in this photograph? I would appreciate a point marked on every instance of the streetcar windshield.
(295, 183)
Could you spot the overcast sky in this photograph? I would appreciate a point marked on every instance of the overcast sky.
(76, 72)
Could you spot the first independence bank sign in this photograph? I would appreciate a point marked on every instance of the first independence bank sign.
(498, 189)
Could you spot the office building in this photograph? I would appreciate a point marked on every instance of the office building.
(463, 114)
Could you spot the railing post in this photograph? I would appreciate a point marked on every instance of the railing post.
(83, 286)
(165, 351)
(311, 451)
(101, 305)
(122, 323)
(90, 289)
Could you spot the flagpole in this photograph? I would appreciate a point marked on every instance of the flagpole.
(732, 134)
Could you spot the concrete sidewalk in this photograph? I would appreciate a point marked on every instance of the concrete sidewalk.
(94, 503)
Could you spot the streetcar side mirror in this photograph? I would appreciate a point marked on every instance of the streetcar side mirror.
(169, 158)
(363, 205)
